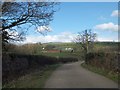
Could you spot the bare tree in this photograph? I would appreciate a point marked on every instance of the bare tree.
(86, 40)
(16, 16)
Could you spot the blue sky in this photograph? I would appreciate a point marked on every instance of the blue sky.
(74, 17)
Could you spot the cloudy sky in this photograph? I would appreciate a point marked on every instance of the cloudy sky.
(74, 17)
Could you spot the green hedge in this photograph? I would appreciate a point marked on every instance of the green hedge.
(94, 55)
(104, 60)
(16, 65)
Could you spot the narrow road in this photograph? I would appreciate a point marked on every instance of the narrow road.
(72, 75)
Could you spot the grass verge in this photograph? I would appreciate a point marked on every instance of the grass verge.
(35, 79)
(62, 54)
(111, 75)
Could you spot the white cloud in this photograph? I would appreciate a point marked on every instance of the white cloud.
(62, 37)
(107, 26)
(115, 13)
(44, 28)
(12, 32)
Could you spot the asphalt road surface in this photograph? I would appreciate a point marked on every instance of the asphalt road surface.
(72, 75)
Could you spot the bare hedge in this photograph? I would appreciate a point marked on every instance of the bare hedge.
(16, 65)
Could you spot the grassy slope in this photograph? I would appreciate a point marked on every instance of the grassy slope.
(35, 79)
(110, 75)
(105, 47)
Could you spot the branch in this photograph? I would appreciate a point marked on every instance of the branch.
(15, 23)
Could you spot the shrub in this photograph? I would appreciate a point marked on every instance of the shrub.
(15, 65)
(104, 60)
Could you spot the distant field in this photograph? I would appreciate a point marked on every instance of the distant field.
(63, 54)
(106, 46)
(37, 48)
(111, 47)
